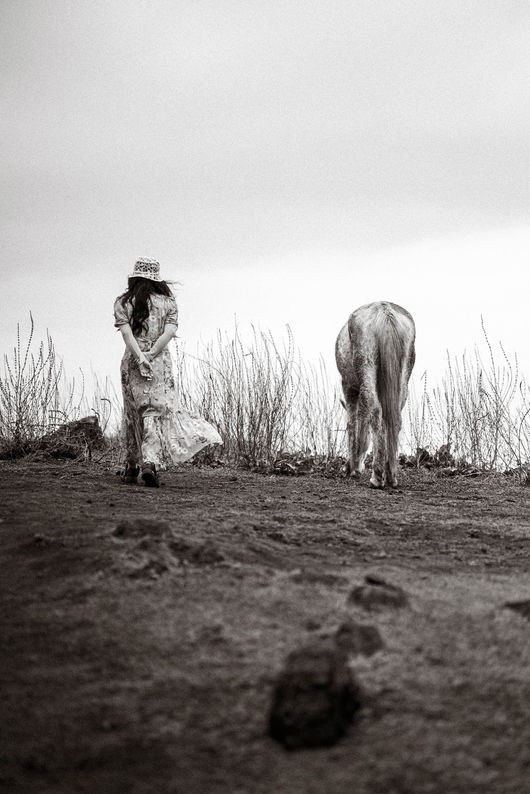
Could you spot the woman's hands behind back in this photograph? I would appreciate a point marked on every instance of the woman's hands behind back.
(145, 367)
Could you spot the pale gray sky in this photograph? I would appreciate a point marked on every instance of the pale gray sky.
(285, 161)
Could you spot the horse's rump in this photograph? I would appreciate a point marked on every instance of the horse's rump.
(380, 336)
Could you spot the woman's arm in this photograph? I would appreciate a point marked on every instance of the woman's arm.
(169, 332)
(133, 346)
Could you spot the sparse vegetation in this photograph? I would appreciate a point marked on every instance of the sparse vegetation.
(37, 398)
(278, 413)
(264, 399)
(479, 413)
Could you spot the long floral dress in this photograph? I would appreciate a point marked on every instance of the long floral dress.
(157, 430)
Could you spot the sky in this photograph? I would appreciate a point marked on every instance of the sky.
(285, 162)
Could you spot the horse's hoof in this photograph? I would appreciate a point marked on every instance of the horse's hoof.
(378, 484)
(355, 475)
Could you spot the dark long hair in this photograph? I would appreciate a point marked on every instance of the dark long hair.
(138, 294)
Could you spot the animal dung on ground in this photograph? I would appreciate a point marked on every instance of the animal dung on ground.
(358, 638)
(376, 593)
(315, 697)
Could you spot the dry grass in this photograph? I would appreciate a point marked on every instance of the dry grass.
(36, 397)
(480, 411)
(276, 411)
(264, 399)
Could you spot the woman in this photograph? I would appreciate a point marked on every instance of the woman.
(158, 433)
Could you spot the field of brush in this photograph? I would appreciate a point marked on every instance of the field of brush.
(268, 402)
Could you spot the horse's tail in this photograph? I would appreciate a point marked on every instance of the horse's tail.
(391, 362)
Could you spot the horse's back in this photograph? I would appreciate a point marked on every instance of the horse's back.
(373, 317)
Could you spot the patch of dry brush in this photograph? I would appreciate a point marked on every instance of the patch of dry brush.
(279, 414)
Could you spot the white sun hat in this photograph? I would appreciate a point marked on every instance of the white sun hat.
(146, 268)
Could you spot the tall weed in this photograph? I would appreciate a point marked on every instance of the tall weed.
(261, 396)
(36, 397)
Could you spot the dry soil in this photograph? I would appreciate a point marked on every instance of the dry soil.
(143, 630)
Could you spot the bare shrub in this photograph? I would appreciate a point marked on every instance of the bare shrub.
(29, 394)
(262, 397)
(479, 411)
(36, 398)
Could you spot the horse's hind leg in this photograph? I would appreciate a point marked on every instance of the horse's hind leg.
(392, 462)
(358, 431)
(377, 480)
(351, 404)
(392, 434)
(372, 417)
(363, 438)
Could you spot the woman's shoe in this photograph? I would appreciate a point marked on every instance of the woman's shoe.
(130, 475)
(149, 475)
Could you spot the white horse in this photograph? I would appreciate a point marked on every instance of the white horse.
(375, 356)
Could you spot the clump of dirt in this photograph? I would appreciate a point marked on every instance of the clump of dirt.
(202, 553)
(73, 439)
(358, 639)
(377, 593)
(315, 697)
(142, 527)
(41, 541)
(154, 548)
(521, 607)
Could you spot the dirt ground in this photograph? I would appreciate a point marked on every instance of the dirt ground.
(142, 657)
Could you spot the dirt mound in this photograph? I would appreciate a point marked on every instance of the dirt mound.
(73, 439)
(142, 527)
(151, 547)
(358, 639)
(377, 593)
(521, 607)
(315, 697)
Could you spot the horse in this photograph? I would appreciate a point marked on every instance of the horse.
(375, 355)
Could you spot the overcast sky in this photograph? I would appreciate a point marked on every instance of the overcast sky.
(286, 161)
